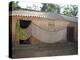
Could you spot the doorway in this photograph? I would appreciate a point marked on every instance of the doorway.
(70, 34)
(23, 31)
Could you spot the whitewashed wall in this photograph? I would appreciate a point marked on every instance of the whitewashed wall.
(47, 36)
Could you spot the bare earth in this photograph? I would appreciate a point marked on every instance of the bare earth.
(43, 50)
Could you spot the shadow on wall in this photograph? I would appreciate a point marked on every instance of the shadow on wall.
(24, 24)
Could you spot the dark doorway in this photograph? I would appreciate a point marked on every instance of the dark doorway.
(27, 41)
(70, 34)
(24, 24)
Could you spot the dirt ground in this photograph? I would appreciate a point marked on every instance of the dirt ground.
(43, 50)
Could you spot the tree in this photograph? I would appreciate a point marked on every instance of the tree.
(50, 8)
(70, 10)
(13, 5)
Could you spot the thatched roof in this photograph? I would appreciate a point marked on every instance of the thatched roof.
(48, 15)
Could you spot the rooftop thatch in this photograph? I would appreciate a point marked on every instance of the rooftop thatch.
(48, 15)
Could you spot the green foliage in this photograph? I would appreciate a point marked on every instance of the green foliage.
(44, 7)
(71, 10)
(50, 8)
(13, 5)
(20, 33)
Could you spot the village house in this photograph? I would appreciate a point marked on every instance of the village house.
(43, 27)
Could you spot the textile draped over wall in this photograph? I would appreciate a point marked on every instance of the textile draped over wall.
(47, 36)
